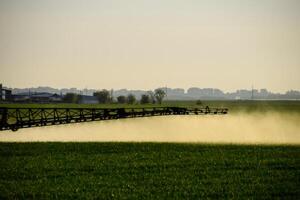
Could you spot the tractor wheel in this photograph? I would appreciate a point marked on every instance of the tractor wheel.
(14, 128)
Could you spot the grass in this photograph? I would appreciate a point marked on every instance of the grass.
(233, 105)
(148, 171)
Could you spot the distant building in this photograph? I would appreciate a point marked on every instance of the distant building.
(42, 97)
(5, 94)
(45, 97)
(20, 97)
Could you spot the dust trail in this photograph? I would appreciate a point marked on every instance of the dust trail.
(254, 128)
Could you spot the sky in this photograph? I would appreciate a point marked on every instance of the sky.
(145, 44)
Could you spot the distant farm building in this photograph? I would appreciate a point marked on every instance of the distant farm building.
(5, 94)
(43, 97)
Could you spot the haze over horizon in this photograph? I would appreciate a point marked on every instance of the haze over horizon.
(143, 44)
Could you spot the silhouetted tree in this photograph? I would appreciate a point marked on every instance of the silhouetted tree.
(103, 96)
(131, 99)
(145, 99)
(121, 99)
(151, 96)
(71, 98)
(159, 95)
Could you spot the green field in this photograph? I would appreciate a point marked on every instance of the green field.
(148, 171)
(233, 106)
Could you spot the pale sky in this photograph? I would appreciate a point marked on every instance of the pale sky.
(145, 44)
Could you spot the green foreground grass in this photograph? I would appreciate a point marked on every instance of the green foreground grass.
(148, 171)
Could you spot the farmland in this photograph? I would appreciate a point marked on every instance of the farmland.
(234, 106)
(134, 170)
(147, 170)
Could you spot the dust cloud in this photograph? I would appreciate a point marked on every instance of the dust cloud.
(240, 128)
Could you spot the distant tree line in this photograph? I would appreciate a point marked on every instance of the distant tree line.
(106, 97)
(71, 98)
